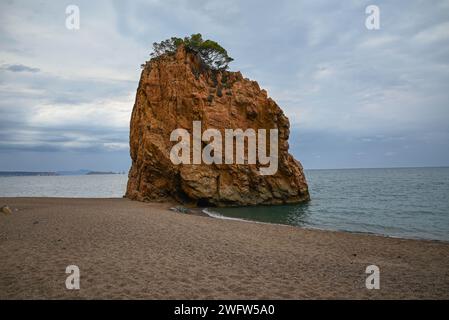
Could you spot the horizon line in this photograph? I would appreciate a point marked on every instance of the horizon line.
(126, 170)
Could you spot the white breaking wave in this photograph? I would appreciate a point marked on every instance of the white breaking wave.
(217, 215)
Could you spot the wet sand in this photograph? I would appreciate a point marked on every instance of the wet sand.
(133, 250)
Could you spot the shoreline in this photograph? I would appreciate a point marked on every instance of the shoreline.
(200, 211)
(220, 216)
(127, 249)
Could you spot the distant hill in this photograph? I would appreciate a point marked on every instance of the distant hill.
(100, 172)
(79, 172)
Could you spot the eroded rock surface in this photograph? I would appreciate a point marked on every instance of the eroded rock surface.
(175, 90)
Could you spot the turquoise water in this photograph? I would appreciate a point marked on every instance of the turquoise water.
(400, 202)
(408, 203)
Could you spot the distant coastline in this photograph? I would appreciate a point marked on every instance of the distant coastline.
(55, 173)
(83, 172)
(101, 172)
(25, 173)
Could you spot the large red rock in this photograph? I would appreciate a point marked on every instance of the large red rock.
(175, 90)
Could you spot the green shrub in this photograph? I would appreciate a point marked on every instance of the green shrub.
(212, 54)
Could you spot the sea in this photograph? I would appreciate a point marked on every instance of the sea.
(394, 202)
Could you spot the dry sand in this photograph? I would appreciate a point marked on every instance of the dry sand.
(127, 249)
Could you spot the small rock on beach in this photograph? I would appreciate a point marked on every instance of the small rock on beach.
(6, 210)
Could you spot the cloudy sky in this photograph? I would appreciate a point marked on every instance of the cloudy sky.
(355, 97)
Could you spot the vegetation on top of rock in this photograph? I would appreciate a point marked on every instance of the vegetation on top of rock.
(211, 53)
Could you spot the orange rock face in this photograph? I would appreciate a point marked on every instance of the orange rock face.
(175, 90)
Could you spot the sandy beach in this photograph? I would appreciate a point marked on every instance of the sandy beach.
(133, 250)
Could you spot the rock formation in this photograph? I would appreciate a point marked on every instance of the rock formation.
(177, 89)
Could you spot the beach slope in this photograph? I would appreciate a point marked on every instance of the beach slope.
(126, 249)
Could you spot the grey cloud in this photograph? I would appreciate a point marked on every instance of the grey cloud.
(19, 68)
(318, 149)
(50, 88)
(19, 137)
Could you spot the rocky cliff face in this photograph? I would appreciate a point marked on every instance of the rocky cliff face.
(175, 90)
